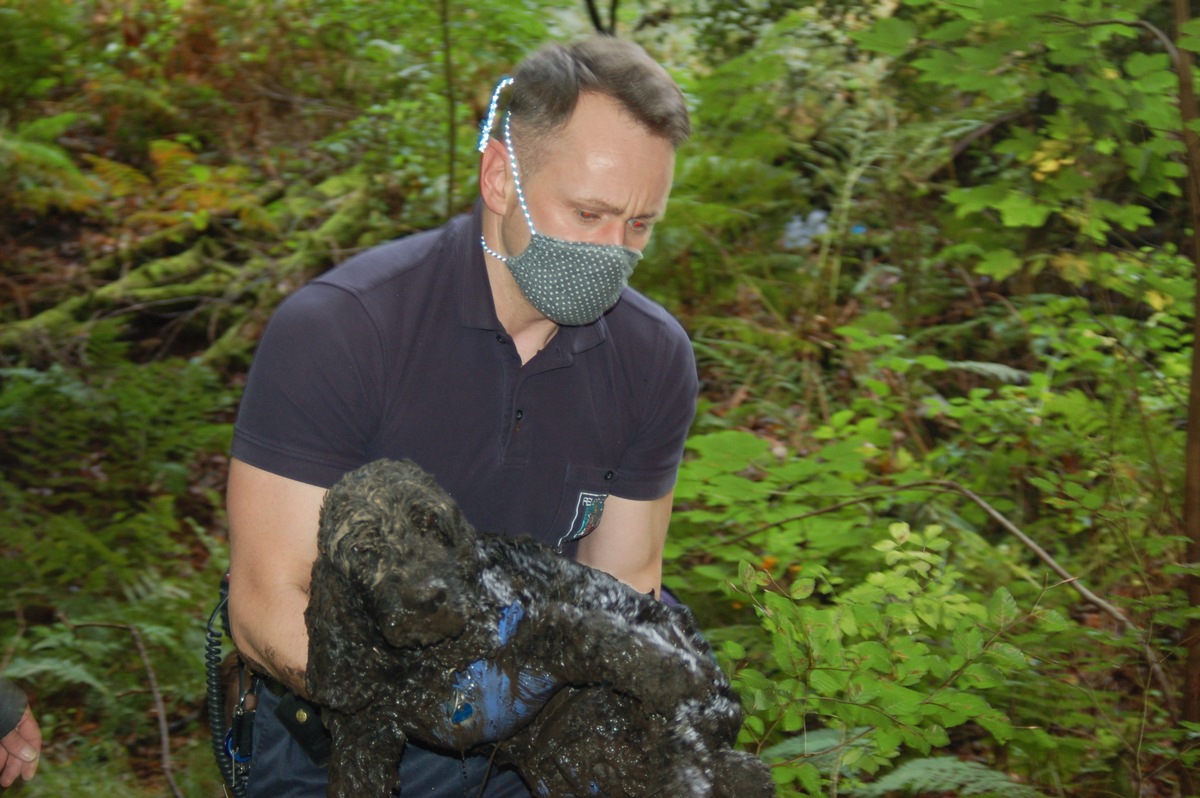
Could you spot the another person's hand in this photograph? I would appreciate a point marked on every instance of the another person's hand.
(19, 750)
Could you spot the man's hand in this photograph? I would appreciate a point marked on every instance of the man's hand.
(19, 750)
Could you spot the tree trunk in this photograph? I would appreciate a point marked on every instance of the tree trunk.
(1191, 498)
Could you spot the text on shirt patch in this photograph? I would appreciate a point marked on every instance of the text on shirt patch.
(588, 509)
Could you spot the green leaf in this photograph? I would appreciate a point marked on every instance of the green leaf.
(900, 532)
(890, 36)
(828, 682)
(899, 701)
(1002, 609)
(1139, 65)
(802, 588)
(999, 264)
(1007, 656)
(809, 778)
(888, 739)
(954, 707)
(1021, 210)
(997, 723)
(976, 198)
(733, 448)
(874, 655)
(982, 676)
(1053, 621)
(968, 641)
(1191, 42)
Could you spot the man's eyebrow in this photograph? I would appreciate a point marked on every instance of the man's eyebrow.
(608, 207)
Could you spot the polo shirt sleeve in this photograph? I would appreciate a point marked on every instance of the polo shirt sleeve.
(310, 407)
(650, 464)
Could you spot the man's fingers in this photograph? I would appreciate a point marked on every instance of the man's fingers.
(12, 769)
(20, 749)
(32, 734)
(29, 768)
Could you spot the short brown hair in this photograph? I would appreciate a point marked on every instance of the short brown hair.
(548, 83)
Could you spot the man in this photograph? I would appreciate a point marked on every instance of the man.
(502, 353)
(20, 737)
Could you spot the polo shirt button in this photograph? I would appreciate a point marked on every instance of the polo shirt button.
(500, 338)
(520, 415)
(609, 475)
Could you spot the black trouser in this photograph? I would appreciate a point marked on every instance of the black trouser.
(281, 769)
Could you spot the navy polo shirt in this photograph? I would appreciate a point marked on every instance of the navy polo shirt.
(398, 353)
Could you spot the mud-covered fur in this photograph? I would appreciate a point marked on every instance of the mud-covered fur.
(405, 593)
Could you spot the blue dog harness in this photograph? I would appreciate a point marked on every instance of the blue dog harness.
(489, 702)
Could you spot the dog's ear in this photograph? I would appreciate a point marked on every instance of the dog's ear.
(436, 517)
(351, 543)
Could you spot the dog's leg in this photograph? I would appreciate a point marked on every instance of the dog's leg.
(602, 648)
(366, 754)
(742, 775)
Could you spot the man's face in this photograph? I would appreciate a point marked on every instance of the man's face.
(602, 179)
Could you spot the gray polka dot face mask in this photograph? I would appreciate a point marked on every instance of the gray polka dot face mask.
(569, 282)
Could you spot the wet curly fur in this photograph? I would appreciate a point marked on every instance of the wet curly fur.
(405, 593)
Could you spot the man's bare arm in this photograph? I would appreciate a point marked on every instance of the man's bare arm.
(273, 543)
(628, 543)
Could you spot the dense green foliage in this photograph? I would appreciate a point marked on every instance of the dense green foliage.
(929, 254)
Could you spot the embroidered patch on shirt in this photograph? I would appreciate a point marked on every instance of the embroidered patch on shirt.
(588, 509)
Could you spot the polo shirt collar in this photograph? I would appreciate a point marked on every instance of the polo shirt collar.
(477, 309)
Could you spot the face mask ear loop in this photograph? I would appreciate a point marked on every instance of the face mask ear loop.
(485, 128)
(512, 157)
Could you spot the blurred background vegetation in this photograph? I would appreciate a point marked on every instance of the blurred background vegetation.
(935, 260)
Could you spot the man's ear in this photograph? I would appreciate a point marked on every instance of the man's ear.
(494, 182)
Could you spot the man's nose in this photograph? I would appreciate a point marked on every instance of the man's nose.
(614, 233)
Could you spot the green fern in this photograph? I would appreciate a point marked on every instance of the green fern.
(822, 748)
(38, 174)
(942, 774)
(996, 371)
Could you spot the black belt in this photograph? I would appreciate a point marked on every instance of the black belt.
(302, 719)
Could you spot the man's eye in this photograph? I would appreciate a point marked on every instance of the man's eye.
(639, 225)
(588, 216)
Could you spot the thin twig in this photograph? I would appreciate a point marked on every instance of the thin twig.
(160, 709)
(1110, 609)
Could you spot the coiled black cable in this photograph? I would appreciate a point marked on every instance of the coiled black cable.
(216, 692)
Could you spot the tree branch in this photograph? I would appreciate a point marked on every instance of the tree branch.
(1127, 23)
(594, 13)
(598, 23)
(451, 103)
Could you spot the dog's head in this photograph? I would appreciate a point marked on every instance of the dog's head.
(400, 541)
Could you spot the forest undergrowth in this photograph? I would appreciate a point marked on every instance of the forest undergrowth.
(935, 259)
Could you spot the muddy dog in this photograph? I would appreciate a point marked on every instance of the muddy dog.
(412, 610)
